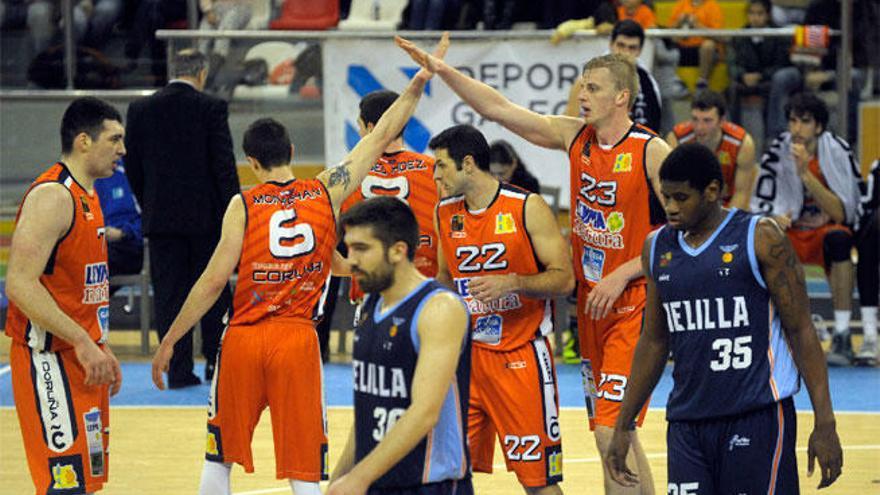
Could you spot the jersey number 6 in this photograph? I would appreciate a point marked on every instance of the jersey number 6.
(299, 238)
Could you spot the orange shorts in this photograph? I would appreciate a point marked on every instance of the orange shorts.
(809, 243)
(513, 396)
(275, 364)
(607, 348)
(65, 424)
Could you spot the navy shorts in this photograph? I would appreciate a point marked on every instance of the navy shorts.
(746, 454)
(448, 487)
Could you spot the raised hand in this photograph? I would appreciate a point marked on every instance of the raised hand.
(428, 62)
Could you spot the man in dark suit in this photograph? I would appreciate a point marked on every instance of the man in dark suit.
(181, 168)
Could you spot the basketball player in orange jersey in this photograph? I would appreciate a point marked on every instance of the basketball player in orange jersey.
(281, 236)
(614, 166)
(733, 146)
(502, 251)
(401, 173)
(58, 287)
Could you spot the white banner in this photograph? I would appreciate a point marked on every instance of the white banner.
(531, 72)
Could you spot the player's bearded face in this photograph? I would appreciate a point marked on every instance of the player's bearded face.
(377, 279)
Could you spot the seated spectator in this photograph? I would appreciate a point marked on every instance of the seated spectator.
(221, 15)
(824, 77)
(430, 15)
(733, 146)
(93, 21)
(628, 38)
(702, 52)
(122, 220)
(498, 14)
(506, 165)
(868, 268)
(637, 11)
(755, 62)
(150, 16)
(810, 183)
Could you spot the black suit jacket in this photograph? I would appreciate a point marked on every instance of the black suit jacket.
(179, 161)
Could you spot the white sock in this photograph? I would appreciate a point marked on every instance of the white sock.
(841, 321)
(215, 479)
(869, 322)
(305, 487)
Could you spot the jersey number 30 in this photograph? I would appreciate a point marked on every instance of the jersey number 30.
(299, 238)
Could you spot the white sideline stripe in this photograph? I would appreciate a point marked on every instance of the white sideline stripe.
(584, 460)
(5, 369)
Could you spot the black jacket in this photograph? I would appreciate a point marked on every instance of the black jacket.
(765, 57)
(179, 161)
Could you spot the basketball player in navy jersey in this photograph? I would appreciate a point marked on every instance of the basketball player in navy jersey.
(726, 296)
(411, 363)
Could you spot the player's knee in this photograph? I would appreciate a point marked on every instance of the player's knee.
(836, 246)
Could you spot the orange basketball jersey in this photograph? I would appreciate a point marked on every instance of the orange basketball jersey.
(76, 274)
(494, 241)
(288, 246)
(732, 137)
(409, 176)
(611, 196)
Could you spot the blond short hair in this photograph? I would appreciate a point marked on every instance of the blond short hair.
(623, 72)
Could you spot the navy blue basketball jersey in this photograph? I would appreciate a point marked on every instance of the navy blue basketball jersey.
(729, 351)
(386, 348)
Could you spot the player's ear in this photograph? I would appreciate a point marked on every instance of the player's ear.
(713, 191)
(254, 164)
(82, 141)
(468, 164)
(397, 252)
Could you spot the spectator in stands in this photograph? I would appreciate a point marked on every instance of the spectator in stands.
(122, 220)
(868, 269)
(221, 15)
(430, 14)
(637, 11)
(865, 54)
(628, 38)
(702, 52)
(150, 16)
(810, 183)
(733, 146)
(754, 62)
(93, 21)
(506, 165)
(182, 170)
(498, 14)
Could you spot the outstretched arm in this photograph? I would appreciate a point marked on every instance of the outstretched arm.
(345, 178)
(554, 132)
(784, 276)
(648, 362)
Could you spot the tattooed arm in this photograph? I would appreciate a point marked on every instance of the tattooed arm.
(345, 178)
(785, 280)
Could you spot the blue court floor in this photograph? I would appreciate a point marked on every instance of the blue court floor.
(852, 389)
